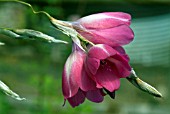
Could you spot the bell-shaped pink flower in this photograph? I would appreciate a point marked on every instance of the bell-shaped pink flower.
(72, 72)
(88, 74)
(111, 28)
(107, 65)
(76, 84)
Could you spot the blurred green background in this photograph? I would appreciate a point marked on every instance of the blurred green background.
(33, 69)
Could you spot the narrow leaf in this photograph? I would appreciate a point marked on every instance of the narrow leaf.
(9, 92)
(63, 26)
(29, 34)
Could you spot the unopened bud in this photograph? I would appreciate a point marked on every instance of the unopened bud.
(136, 81)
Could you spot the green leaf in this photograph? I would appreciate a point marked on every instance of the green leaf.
(9, 92)
(63, 26)
(29, 34)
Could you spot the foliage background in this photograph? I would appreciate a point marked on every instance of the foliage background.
(33, 69)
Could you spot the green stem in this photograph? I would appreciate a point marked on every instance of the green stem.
(29, 5)
(57, 23)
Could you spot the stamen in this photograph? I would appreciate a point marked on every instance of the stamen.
(103, 62)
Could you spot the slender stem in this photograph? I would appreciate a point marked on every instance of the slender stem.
(52, 20)
(29, 5)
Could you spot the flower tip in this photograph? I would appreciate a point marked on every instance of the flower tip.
(159, 95)
(2, 43)
(65, 42)
(136, 81)
(64, 102)
(148, 88)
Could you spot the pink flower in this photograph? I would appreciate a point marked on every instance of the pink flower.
(106, 65)
(88, 74)
(111, 28)
(76, 85)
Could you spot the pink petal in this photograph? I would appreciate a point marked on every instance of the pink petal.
(77, 99)
(71, 74)
(105, 20)
(86, 82)
(92, 64)
(92, 76)
(122, 34)
(101, 51)
(120, 49)
(107, 77)
(120, 15)
(122, 52)
(95, 96)
(123, 68)
(117, 36)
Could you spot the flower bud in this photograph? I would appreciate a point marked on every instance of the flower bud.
(136, 81)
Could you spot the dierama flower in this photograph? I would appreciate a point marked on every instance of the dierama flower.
(72, 72)
(106, 66)
(89, 70)
(88, 74)
(76, 84)
(111, 28)
(98, 60)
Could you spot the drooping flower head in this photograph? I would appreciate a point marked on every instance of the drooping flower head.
(98, 60)
(76, 84)
(88, 75)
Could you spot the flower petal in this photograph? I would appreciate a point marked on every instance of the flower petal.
(120, 49)
(123, 68)
(117, 36)
(122, 52)
(107, 77)
(77, 99)
(86, 82)
(101, 51)
(105, 20)
(71, 74)
(95, 96)
(92, 64)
